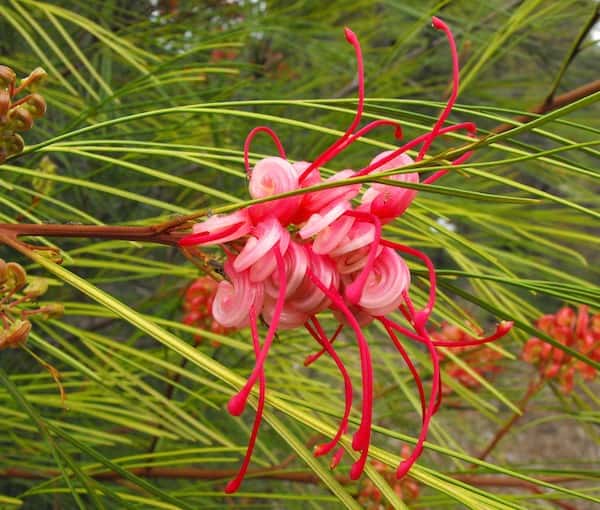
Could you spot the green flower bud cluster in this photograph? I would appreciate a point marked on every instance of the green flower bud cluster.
(18, 115)
(18, 294)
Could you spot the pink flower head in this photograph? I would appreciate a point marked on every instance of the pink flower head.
(482, 359)
(291, 258)
(386, 201)
(572, 329)
(197, 304)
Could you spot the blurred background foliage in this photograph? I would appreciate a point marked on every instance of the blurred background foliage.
(149, 103)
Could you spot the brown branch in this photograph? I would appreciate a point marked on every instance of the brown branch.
(532, 390)
(276, 473)
(270, 473)
(178, 473)
(552, 104)
(153, 234)
(492, 481)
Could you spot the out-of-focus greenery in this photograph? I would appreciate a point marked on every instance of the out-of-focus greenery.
(148, 107)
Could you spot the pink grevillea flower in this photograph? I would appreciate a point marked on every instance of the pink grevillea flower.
(371, 498)
(481, 359)
(576, 330)
(293, 257)
(197, 304)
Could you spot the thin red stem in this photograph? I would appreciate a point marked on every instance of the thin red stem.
(319, 334)
(234, 484)
(250, 137)
(424, 314)
(432, 405)
(362, 438)
(203, 237)
(327, 154)
(409, 363)
(469, 126)
(440, 25)
(314, 357)
(355, 289)
(238, 402)
(440, 173)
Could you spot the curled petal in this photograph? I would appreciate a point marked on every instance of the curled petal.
(317, 200)
(295, 262)
(309, 298)
(314, 177)
(385, 284)
(362, 317)
(387, 201)
(266, 265)
(272, 176)
(290, 318)
(331, 236)
(219, 229)
(360, 235)
(354, 260)
(263, 239)
(320, 221)
(234, 299)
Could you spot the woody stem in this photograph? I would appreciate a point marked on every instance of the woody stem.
(532, 390)
(152, 234)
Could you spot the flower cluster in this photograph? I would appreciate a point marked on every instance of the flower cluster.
(370, 497)
(292, 257)
(197, 304)
(481, 359)
(18, 116)
(17, 293)
(576, 330)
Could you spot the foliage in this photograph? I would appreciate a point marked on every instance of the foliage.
(148, 107)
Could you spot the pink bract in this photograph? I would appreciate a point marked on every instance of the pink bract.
(291, 258)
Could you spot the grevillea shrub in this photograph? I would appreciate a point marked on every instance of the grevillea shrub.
(480, 359)
(290, 259)
(575, 329)
(370, 247)
(197, 304)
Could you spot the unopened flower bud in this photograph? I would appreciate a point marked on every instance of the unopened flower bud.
(52, 254)
(7, 77)
(20, 119)
(17, 276)
(34, 80)
(41, 184)
(16, 335)
(36, 287)
(13, 144)
(3, 271)
(52, 311)
(36, 105)
(4, 105)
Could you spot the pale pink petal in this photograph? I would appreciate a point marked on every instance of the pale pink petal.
(354, 260)
(386, 201)
(385, 284)
(272, 176)
(320, 221)
(317, 200)
(296, 262)
(290, 318)
(233, 299)
(220, 223)
(330, 237)
(308, 298)
(361, 234)
(265, 236)
(265, 266)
